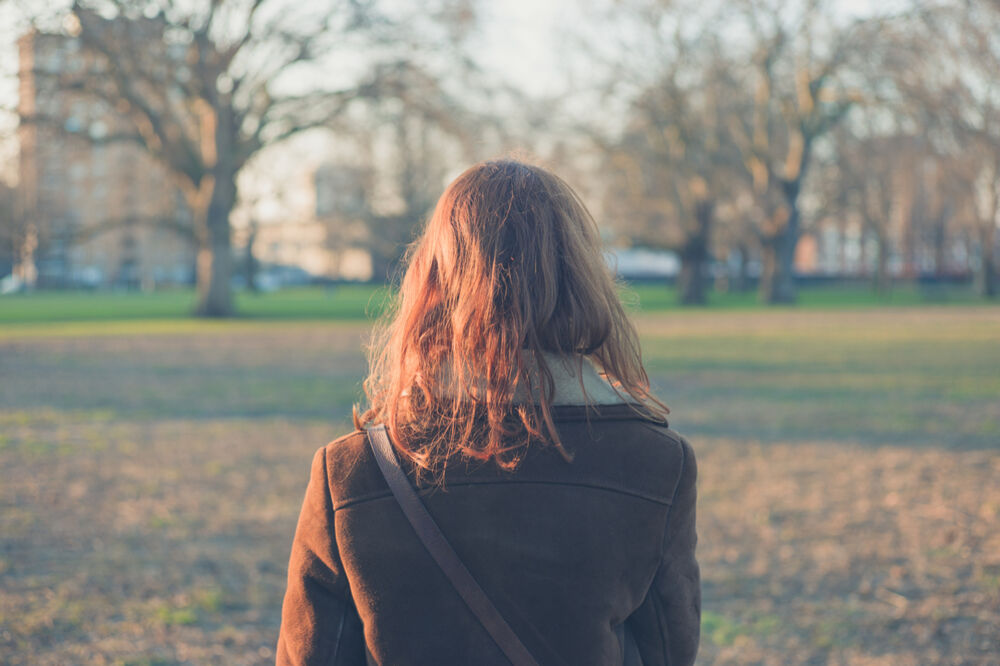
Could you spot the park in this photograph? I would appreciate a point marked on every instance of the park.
(153, 469)
(206, 206)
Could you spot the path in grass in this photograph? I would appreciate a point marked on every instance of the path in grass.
(848, 505)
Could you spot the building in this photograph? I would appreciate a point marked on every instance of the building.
(102, 212)
(307, 245)
(332, 239)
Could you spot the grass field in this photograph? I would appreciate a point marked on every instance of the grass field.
(152, 470)
(360, 301)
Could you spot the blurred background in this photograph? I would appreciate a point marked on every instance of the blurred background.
(203, 202)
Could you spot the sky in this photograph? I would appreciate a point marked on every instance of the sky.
(517, 45)
(522, 42)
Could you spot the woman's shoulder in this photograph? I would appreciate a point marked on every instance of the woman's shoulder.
(633, 421)
(612, 441)
(349, 469)
(345, 448)
(346, 441)
(643, 452)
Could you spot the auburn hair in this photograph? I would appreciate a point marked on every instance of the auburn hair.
(508, 267)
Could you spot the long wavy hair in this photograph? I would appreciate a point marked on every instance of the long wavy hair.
(508, 268)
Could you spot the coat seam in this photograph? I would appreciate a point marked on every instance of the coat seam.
(340, 634)
(673, 499)
(328, 506)
(663, 552)
(666, 522)
(344, 504)
(577, 413)
(671, 435)
(663, 637)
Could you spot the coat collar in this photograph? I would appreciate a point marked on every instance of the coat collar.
(577, 382)
(581, 393)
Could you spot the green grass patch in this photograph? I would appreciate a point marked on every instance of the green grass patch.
(146, 661)
(719, 629)
(352, 302)
(170, 310)
(176, 616)
(153, 482)
(654, 298)
(209, 600)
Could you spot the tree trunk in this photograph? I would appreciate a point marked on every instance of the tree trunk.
(692, 281)
(777, 279)
(215, 262)
(842, 248)
(250, 268)
(986, 277)
(777, 283)
(882, 265)
(863, 254)
(768, 269)
(939, 247)
(743, 276)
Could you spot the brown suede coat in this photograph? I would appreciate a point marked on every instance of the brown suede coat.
(568, 552)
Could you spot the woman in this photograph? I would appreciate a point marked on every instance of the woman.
(558, 483)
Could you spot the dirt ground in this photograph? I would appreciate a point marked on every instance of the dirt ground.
(849, 511)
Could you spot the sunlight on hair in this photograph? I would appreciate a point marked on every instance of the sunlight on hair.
(507, 273)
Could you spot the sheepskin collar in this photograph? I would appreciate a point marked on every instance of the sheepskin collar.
(567, 373)
(576, 380)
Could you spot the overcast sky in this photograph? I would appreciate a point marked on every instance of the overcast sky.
(522, 41)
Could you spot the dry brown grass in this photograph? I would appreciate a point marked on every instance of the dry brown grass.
(150, 484)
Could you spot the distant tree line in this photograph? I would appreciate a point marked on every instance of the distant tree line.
(716, 130)
(205, 87)
(752, 120)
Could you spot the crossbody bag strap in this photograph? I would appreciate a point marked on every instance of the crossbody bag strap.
(442, 552)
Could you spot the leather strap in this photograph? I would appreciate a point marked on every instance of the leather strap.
(442, 552)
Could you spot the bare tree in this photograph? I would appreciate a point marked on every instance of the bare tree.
(953, 91)
(430, 133)
(970, 32)
(205, 86)
(734, 101)
(803, 65)
(934, 206)
(14, 232)
(672, 163)
(871, 186)
(403, 145)
(676, 165)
